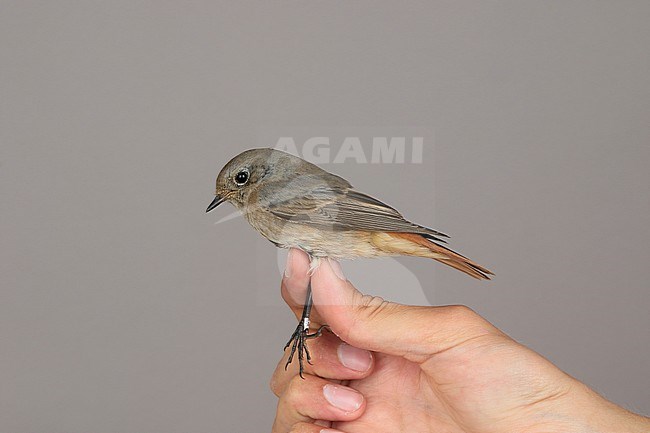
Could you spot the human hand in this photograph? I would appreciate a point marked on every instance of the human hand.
(421, 369)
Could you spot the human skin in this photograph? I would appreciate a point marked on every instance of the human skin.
(423, 369)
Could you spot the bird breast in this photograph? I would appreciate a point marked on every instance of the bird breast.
(317, 241)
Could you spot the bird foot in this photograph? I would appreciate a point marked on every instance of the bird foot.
(298, 342)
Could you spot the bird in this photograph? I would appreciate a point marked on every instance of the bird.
(296, 204)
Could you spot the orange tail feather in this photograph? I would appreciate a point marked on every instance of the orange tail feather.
(416, 245)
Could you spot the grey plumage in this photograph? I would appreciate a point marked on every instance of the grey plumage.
(294, 203)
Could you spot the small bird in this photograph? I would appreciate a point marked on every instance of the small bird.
(296, 204)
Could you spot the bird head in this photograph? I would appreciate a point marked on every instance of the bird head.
(240, 177)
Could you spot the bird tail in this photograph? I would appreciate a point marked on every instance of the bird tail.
(417, 245)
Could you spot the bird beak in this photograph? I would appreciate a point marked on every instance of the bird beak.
(216, 202)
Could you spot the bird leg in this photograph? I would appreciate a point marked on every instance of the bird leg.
(298, 341)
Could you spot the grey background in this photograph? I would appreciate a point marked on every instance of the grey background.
(124, 309)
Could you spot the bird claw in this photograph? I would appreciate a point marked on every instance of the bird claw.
(298, 342)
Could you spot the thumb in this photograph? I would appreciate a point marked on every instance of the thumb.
(369, 322)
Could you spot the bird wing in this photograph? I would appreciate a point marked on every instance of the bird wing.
(339, 208)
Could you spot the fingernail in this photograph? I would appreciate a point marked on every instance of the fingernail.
(343, 397)
(354, 358)
(336, 268)
(329, 430)
(287, 267)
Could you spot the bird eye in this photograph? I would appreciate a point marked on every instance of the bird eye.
(241, 178)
